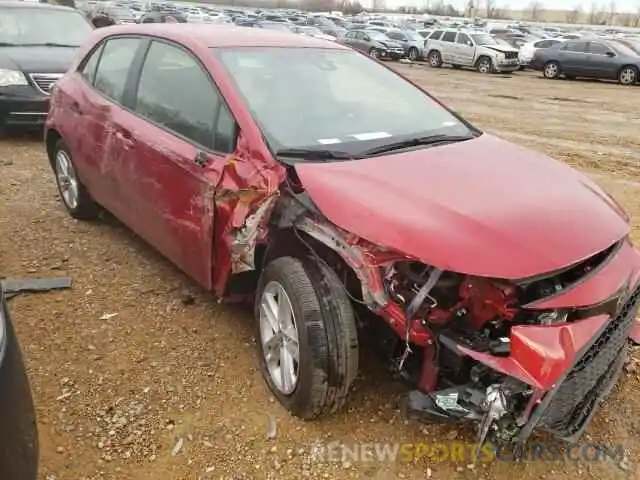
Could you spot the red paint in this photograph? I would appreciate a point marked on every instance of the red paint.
(602, 285)
(541, 354)
(483, 207)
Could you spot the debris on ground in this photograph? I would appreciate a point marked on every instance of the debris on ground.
(16, 286)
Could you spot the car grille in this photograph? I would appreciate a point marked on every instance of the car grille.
(511, 55)
(592, 376)
(44, 81)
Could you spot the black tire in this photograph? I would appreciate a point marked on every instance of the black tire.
(551, 70)
(373, 53)
(435, 59)
(413, 54)
(85, 208)
(628, 75)
(327, 336)
(484, 65)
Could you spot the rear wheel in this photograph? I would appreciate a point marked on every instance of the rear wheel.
(308, 344)
(73, 193)
(435, 60)
(551, 70)
(374, 53)
(628, 75)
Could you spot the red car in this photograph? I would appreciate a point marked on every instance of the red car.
(356, 208)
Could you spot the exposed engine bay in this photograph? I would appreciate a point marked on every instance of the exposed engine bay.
(477, 314)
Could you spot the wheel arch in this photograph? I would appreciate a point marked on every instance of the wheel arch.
(51, 138)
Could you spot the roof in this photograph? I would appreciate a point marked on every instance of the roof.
(49, 6)
(224, 35)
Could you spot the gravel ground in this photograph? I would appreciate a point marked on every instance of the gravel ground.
(138, 374)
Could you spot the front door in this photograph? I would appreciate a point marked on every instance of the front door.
(176, 139)
(465, 50)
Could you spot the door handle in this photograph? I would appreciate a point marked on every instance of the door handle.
(125, 137)
(75, 107)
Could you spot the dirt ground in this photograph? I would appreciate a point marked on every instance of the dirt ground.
(116, 397)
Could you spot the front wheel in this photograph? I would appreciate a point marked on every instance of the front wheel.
(373, 53)
(484, 65)
(628, 75)
(307, 336)
(413, 54)
(552, 70)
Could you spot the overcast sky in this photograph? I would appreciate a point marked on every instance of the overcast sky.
(621, 5)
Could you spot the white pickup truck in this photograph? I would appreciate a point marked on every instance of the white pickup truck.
(472, 49)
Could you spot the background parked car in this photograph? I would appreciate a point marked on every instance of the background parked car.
(528, 50)
(373, 43)
(412, 42)
(37, 44)
(471, 49)
(592, 59)
(311, 32)
(162, 17)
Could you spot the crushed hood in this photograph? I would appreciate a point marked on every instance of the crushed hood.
(482, 207)
(502, 49)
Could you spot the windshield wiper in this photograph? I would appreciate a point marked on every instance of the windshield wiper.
(417, 141)
(315, 154)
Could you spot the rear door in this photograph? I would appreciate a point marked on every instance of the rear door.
(448, 46)
(178, 134)
(574, 58)
(105, 74)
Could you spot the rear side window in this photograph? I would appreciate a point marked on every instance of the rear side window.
(116, 58)
(597, 48)
(449, 37)
(575, 47)
(436, 35)
(176, 93)
(88, 71)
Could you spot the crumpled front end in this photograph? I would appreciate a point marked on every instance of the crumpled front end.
(511, 355)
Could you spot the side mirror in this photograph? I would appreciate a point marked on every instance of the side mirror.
(610, 54)
(367, 38)
(470, 44)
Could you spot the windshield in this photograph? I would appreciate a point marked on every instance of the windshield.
(626, 48)
(484, 39)
(311, 98)
(29, 26)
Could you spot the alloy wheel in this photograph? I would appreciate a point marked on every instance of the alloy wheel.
(551, 70)
(279, 337)
(628, 76)
(67, 179)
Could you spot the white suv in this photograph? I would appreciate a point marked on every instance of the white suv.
(473, 49)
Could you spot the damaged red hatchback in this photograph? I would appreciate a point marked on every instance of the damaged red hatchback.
(503, 283)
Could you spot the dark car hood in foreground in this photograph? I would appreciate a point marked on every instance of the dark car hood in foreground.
(39, 59)
(482, 207)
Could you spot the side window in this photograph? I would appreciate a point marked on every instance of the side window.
(449, 37)
(396, 36)
(225, 134)
(463, 38)
(88, 71)
(175, 92)
(575, 47)
(111, 76)
(597, 48)
(436, 35)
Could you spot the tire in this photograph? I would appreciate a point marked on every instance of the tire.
(83, 207)
(373, 53)
(484, 65)
(628, 75)
(413, 54)
(435, 60)
(551, 70)
(326, 331)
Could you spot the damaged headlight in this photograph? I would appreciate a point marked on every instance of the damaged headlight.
(10, 78)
